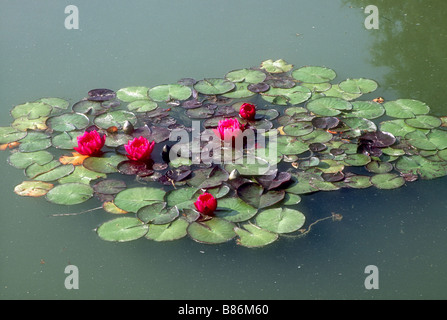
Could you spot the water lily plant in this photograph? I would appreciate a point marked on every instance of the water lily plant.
(90, 143)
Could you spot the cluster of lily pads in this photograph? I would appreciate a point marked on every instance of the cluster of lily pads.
(327, 139)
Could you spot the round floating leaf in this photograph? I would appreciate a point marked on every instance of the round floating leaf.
(358, 159)
(115, 119)
(23, 124)
(109, 186)
(88, 107)
(328, 106)
(424, 122)
(254, 195)
(70, 193)
(35, 141)
(168, 232)
(33, 188)
(298, 128)
(133, 199)
(110, 207)
(82, 175)
(258, 87)
(379, 167)
(122, 229)
(252, 236)
(278, 66)
(405, 108)
(182, 198)
(156, 213)
(9, 134)
(240, 91)
(234, 209)
(130, 94)
(325, 122)
(247, 75)
(214, 86)
(396, 127)
(366, 109)
(101, 95)
(314, 74)
(420, 165)
(169, 92)
(360, 85)
(208, 178)
(50, 171)
(291, 145)
(387, 181)
(280, 220)
(22, 160)
(280, 96)
(356, 182)
(213, 231)
(31, 110)
(66, 140)
(58, 104)
(436, 139)
(105, 164)
(142, 106)
(291, 199)
(335, 91)
(68, 122)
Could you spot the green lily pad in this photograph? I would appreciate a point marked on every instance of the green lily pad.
(213, 86)
(131, 94)
(336, 91)
(58, 104)
(303, 184)
(122, 229)
(133, 199)
(157, 213)
(366, 109)
(280, 220)
(280, 96)
(436, 139)
(314, 74)
(35, 141)
(278, 66)
(249, 166)
(66, 140)
(50, 171)
(424, 122)
(31, 110)
(68, 122)
(182, 198)
(387, 181)
(328, 106)
(208, 178)
(291, 199)
(213, 231)
(23, 124)
(70, 193)
(234, 209)
(109, 186)
(254, 195)
(142, 106)
(252, 236)
(105, 164)
(33, 188)
(22, 160)
(82, 175)
(287, 145)
(398, 127)
(405, 108)
(168, 92)
(298, 128)
(240, 91)
(89, 107)
(246, 75)
(358, 159)
(115, 118)
(9, 134)
(420, 165)
(168, 232)
(360, 85)
(379, 167)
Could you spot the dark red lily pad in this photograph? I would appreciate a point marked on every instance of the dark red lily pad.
(258, 87)
(325, 122)
(101, 95)
(275, 180)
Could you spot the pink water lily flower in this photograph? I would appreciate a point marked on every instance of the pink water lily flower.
(139, 149)
(206, 204)
(228, 128)
(90, 143)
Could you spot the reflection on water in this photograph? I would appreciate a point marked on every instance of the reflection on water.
(402, 231)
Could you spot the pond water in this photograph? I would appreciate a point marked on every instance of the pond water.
(120, 44)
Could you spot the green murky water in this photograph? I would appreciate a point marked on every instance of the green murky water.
(401, 231)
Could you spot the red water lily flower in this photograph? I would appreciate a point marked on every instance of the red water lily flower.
(206, 204)
(247, 111)
(139, 149)
(90, 143)
(228, 128)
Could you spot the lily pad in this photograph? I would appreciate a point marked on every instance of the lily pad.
(130, 94)
(33, 188)
(109, 186)
(280, 220)
(82, 175)
(9, 134)
(101, 94)
(252, 236)
(213, 231)
(122, 229)
(23, 124)
(105, 164)
(328, 106)
(405, 108)
(278, 66)
(254, 195)
(422, 166)
(214, 86)
(133, 199)
(50, 171)
(157, 213)
(88, 107)
(68, 122)
(168, 232)
(22, 160)
(240, 91)
(366, 109)
(436, 139)
(360, 85)
(246, 75)
(387, 181)
(66, 140)
(35, 141)
(70, 193)
(424, 122)
(142, 106)
(31, 110)
(115, 119)
(168, 92)
(314, 74)
(280, 96)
